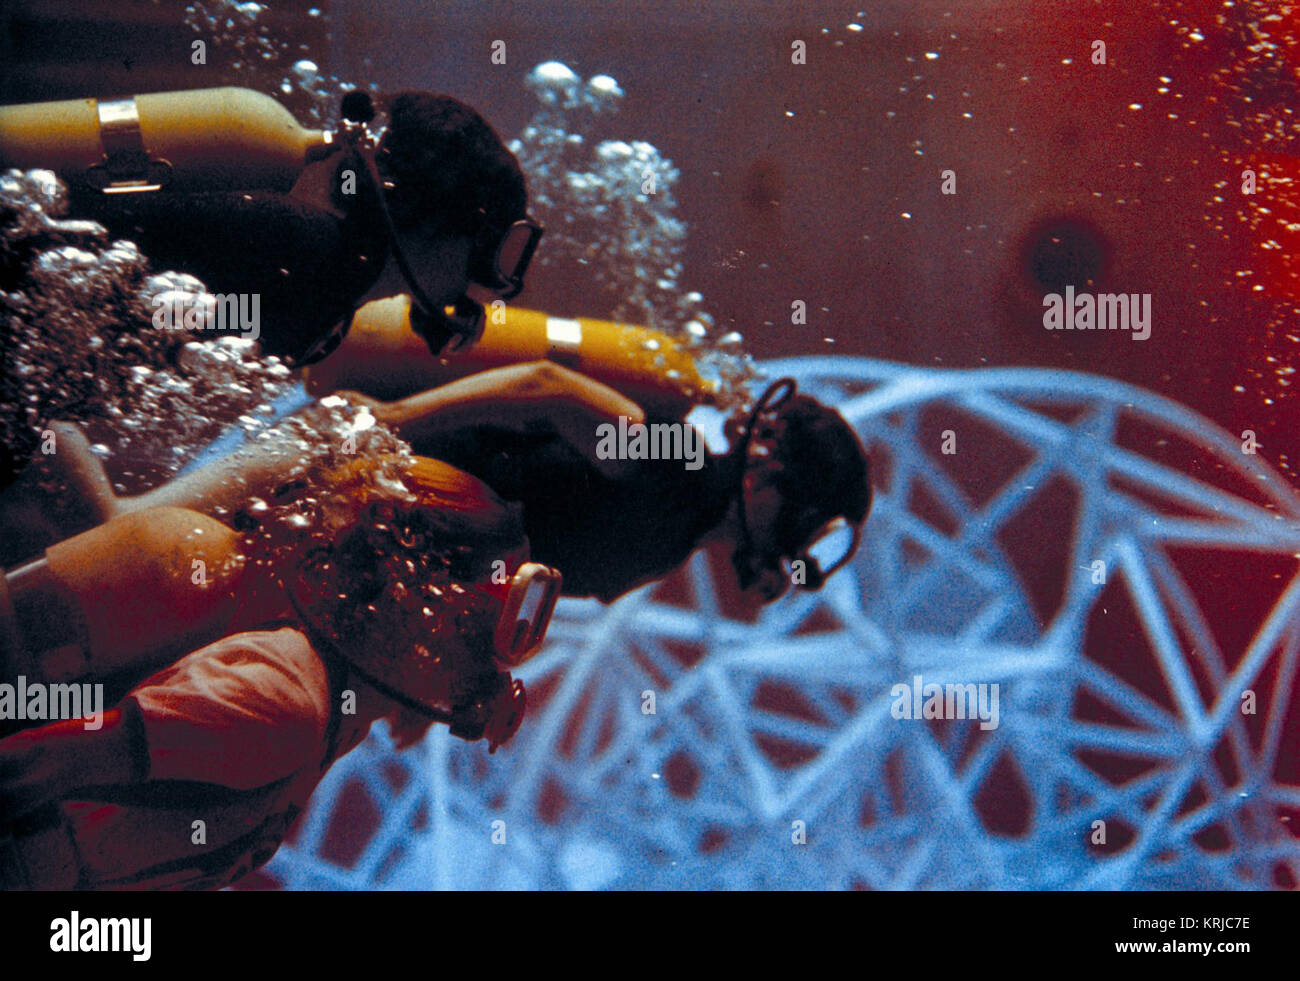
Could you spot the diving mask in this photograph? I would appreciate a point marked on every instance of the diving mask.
(826, 549)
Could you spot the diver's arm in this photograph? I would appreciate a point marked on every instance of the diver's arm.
(220, 487)
(253, 471)
(242, 712)
(537, 396)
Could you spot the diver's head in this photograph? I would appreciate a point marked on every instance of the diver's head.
(450, 172)
(452, 202)
(457, 204)
(802, 492)
(402, 593)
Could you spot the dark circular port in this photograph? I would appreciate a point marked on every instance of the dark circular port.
(1065, 251)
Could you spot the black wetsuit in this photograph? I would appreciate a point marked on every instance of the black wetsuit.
(309, 253)
(605, 536)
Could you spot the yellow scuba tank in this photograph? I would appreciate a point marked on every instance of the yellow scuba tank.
(383, 357)
(197, 140)
(126, 595)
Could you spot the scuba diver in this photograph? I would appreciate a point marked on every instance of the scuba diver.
(793, 487)
(440, 194)
(789, 497)
(225, 185)
(399, 615)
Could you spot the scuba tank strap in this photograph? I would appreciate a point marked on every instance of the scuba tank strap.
(137, 739)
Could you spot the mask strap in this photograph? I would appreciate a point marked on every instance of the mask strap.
(417, 294)
(466, 326)
(326, 644)
(453, 719)
(774, 395)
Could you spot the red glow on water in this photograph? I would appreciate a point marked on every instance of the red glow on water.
(1277, 239)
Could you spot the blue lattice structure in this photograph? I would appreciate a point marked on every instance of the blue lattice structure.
(1121, 701)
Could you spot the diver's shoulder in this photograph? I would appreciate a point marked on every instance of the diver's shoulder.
(278, 641)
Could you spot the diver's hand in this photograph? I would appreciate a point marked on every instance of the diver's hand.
(525, 398)
(380, 410)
